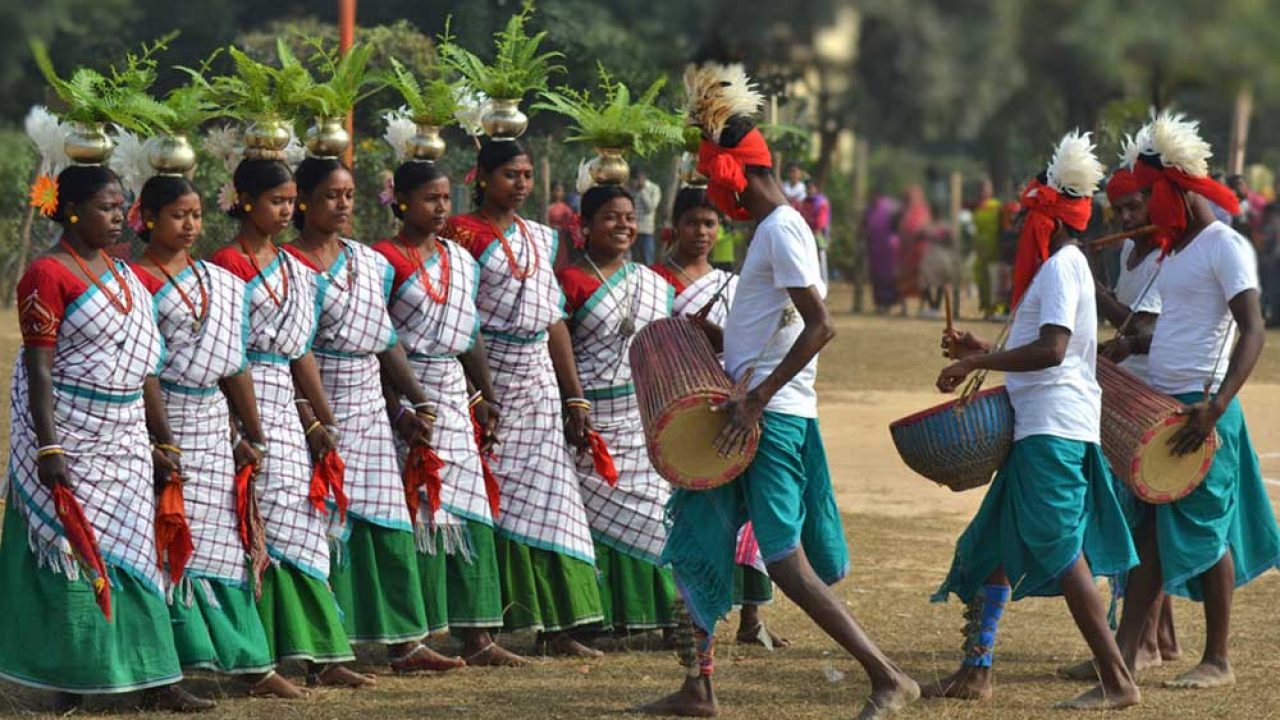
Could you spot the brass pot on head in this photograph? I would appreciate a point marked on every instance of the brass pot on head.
(502, 119)
(426, 145)
(609, 167)
(328, 138)
(689, 174)
(171, 155)
(266, 139)
(88, 144)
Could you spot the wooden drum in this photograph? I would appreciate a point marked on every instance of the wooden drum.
(677, 377)
(1137, 423)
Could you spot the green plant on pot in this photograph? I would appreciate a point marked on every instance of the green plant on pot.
(347, 78)
(616, 121)
(518, 68)
(431, 101)
(119, 96)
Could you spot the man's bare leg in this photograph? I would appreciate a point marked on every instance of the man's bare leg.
(753, 631)
(973, 680)
(891, 688)
(694, 649)
(1167, 634)
(1117, 688)
(1214, 669)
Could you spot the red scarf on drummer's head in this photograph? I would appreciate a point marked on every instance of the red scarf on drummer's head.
(725, 169)
(1045, 207)
(1124, 183)
(1168, 204)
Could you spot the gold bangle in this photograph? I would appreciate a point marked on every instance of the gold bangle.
(49, 452)
(312, 427)
(166, 447)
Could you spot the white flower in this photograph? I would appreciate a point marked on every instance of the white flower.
(400, 130)
(129, 161)
(49, 135)
(227, 196)
(226, 144)
(472, 105)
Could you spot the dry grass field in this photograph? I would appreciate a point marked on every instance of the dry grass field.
(900, 531)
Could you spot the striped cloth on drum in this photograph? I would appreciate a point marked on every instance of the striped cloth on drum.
(352, 326)
(196, 360)
(97, 397)
(629, 517)
(699, 292)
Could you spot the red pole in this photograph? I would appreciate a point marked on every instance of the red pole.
(346, 38)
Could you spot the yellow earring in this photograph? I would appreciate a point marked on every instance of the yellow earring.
(302, 207)
(482, 184)
(404, 207)
(151, 225)
(73, 219)
(248, 207)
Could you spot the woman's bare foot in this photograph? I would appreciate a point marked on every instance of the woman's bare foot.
(491, 654)
(1204, 676)
(423, 659)
(695, 698)
(173, 698)
(1099, 699)
(275, 685)
(888, 700)
(562, 644)
(761, 635)
(967, 683)
(339, 675)
(65, 702)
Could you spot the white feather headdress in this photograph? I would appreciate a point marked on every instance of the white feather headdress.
(400, 130)
(1176, 141)
(129, 161)
(49, 134)
(718, 93)
(1075, 169)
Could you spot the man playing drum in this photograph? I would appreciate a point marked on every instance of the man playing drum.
(1050, 520)
(773, 333)
(1223, 534)
(1133, 308)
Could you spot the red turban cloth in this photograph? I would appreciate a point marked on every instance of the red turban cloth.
(1168, 206)
(1045, 207)
(1122, 183)
(725, 169)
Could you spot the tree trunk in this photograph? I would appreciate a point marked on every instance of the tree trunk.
(1240, 129)
(861, 182)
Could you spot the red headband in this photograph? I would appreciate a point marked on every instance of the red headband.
(1168, 206)
(1122, 183)
(725, 169)
(1045, 207)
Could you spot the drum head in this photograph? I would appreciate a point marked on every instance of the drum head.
(681, 448)
(1158, 476)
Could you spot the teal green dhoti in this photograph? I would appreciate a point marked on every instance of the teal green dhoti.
(786, 493)
(1230, 510)
(1052, 500)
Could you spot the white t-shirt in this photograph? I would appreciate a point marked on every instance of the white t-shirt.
(1129, 291)
(783, 254)
(1063, 401)
(1194, 335)
(794, 191)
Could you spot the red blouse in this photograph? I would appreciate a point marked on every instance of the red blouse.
(44, 292)
(578, 286)
(235, 262)
(472, 232)
(149, 280)
(400, 263)
(670, 276)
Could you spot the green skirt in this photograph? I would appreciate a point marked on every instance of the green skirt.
(54, 637)
(542, 590)
(460, 581)
(301, 617)
(1230, 510)
(1052, 500)
(220, 629)
(377, 585)
(751, 587)
(636, 594)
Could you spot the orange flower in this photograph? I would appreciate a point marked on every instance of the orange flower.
(44, 195)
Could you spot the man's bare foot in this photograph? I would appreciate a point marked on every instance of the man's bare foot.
(493, 655)
(562, 644)
(968, 683)
(694, 699)
(275, 685)
(1204, 676)
(173, 698)
(1170, 654)
(761, 635)
(1086, 671)
(889, 700)
(339, 675)
(1099, 699)
(424, 659)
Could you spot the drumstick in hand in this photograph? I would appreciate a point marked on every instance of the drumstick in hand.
(946, 297)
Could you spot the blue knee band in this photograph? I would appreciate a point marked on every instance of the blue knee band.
(983, 616)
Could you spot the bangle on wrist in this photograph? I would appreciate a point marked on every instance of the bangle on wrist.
(169, 448)
(476, 399)
(315, 425)
(45, 451)
(400, 413)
